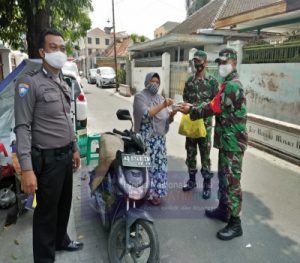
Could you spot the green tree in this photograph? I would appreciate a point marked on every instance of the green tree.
(121, 75)
(19, 18)
(136, 38)
(142, 38)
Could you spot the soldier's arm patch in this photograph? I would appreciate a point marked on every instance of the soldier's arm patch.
(23, 89)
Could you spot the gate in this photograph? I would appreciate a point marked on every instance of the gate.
(179, 71)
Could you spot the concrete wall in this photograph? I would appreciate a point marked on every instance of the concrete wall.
(273, 90)
(213, 51)
(159, 32)
(19, 56)
(6, 60)
(277, 137)
(6, 63)
(139, 73)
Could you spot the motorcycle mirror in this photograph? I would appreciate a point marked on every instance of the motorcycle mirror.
(124, 115)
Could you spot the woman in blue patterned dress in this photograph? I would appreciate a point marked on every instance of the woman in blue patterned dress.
(151, 120)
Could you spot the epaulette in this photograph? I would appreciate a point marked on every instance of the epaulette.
(32, 72)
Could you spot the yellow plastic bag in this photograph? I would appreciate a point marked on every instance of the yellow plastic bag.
(192, 129)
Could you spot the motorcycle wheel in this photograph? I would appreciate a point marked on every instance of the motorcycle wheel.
(143, 240)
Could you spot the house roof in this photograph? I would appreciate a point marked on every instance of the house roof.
(169, 25)
(121, 48)
(203, 18)
(175, 40)
(234, 7)
(96, 31)
(275, 16)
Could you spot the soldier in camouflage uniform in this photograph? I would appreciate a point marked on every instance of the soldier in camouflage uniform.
(229, 107)
(200, 88)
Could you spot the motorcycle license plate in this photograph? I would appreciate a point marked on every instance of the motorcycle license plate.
(136, 160)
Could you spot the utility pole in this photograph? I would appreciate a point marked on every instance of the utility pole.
(115, 51)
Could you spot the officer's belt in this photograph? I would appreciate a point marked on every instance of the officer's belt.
(56, 151)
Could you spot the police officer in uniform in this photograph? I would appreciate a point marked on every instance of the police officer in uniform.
(200, 88)
(46, 148)
(229, 107)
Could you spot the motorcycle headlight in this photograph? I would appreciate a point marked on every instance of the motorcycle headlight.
(134, 192)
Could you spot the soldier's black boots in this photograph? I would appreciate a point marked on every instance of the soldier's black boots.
(231, 230)
(191, 183)
(206, 189)
(220, 213)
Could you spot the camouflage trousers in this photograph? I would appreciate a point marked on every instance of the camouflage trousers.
(204, 145)
(229, 172)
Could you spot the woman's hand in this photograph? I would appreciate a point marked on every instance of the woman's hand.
(171, 116)
(156, 109)
(168, 102)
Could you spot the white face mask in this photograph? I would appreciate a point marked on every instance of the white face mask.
(56, 59)
(225, 70)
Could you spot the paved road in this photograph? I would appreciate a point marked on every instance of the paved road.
(270, 216)
(271, 209)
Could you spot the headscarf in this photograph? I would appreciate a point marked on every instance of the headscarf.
(143, 101)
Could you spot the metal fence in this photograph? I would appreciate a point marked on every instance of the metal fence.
(213, 71)
(179, 72)
(288, 51)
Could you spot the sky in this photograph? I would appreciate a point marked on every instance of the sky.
(140, 17)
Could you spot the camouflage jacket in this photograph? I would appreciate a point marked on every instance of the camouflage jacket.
(229, 106)
(197, 91)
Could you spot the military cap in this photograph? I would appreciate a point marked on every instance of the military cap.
(200, 54)
(226, 54)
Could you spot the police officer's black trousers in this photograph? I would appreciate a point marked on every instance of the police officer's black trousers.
(54, 197)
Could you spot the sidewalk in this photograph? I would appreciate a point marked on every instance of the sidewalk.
(16, 240)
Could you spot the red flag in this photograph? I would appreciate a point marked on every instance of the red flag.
(216, 101)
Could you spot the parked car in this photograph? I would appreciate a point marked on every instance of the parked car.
(91, 78)
(106, 77)
(70, 66)
(80, 106)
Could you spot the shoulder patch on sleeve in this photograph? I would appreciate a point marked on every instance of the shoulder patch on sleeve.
(23, 89)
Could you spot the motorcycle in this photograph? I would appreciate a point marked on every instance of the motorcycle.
(118, 198)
